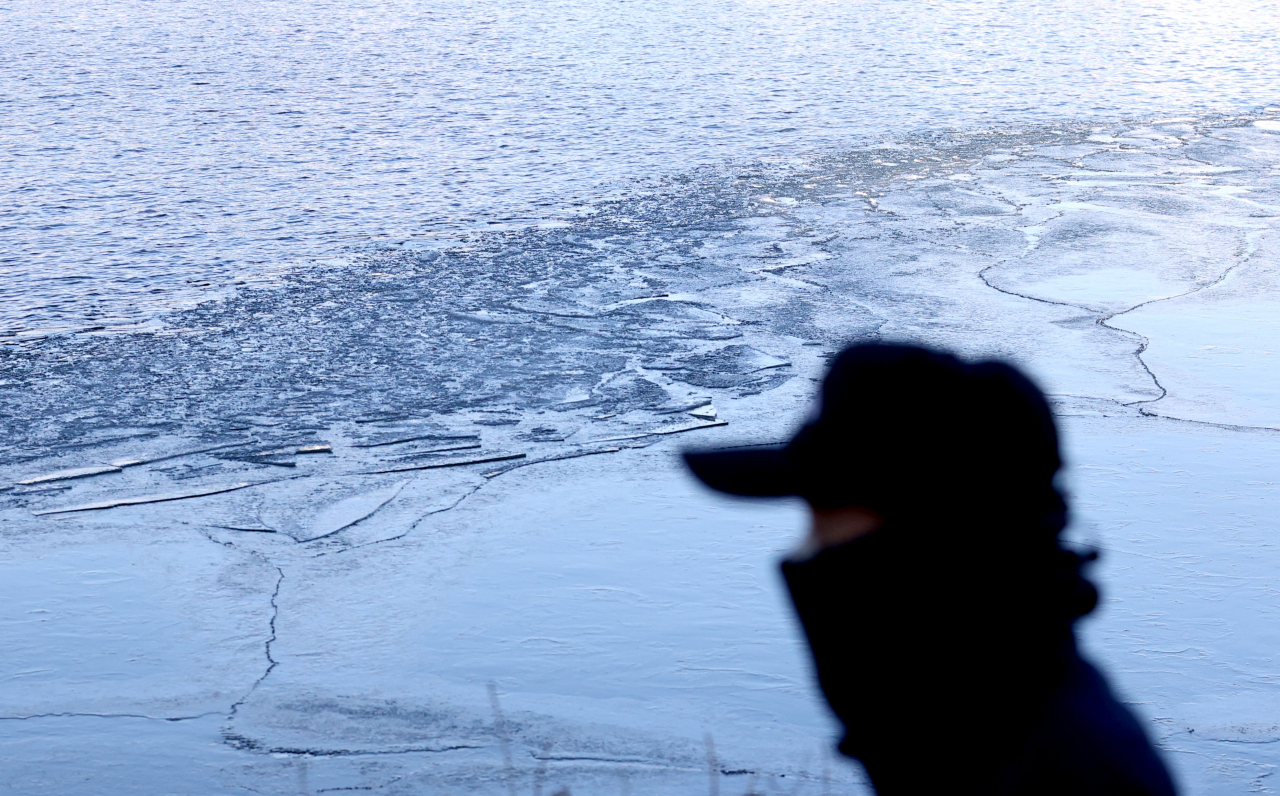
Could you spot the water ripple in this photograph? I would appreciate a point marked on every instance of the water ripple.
(156, 153)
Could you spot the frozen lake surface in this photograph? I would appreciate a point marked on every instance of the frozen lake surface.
(415, 525)
(402, 513)
(157, 154)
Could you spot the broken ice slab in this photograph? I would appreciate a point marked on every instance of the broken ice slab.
(242, 421)
(161, 498)
(713, 333)
(66, 475)
(272, 452)
(676, 407)
(544, 434)
(42, 490)
(348, 512)
(275, 458)
(278, 457)
(556, 310)
(707, 412)
(661, 430)
(386, 417)
(753, 359)
(688, 427)
(576, 403)
(293, 450)
(394, 439)
(554, 458)
(271, 460)
(458, 462)
(497, 419)
(418, 454)
(168, 456)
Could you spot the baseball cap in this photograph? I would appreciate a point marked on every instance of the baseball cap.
(899, 425)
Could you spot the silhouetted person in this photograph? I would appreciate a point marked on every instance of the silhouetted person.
(935, 593)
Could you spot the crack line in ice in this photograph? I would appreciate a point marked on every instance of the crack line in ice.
(658, 432)
(1143, 342)
(228, 736)
(1209, 423)
(552, 458)
(1250, 250)
(159, 498)
(591, 759)
(1241, 741)
(436, 465)
(69, 715)
(411, 528)
(982, 274)
(342, 514)
(244, 743)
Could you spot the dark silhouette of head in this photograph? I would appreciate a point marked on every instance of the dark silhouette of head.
(915, 435)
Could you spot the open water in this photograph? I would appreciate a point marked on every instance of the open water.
(155, 153)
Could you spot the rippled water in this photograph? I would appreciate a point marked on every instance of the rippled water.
(156, 151)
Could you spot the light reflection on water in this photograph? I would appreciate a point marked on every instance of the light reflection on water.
(153, 151)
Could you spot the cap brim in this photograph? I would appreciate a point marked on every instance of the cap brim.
(749, 472)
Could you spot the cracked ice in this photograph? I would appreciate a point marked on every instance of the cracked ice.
(318, 527)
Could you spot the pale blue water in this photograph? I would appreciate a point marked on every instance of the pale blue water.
(153, 151)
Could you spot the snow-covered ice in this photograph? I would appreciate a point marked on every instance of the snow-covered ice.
(586, 617)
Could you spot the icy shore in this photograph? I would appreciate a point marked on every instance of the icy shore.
(395, 483)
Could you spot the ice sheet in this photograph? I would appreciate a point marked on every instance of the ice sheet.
(349, 634)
